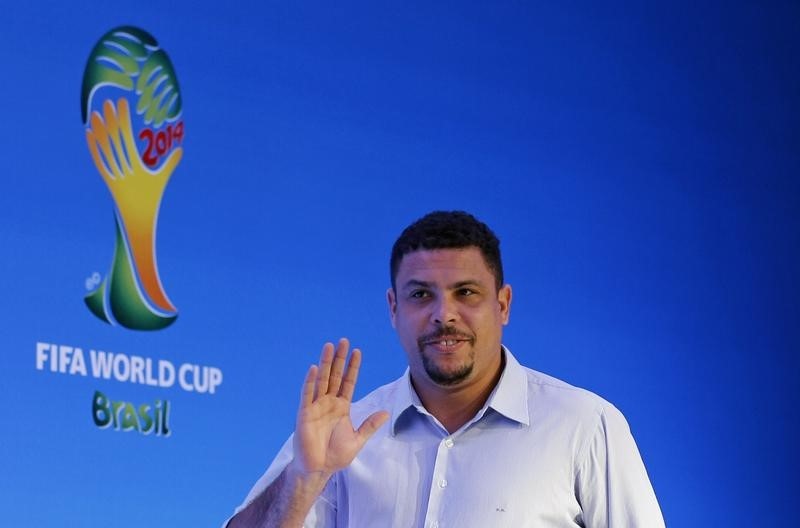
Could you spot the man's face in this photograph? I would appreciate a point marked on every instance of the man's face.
(449, 316)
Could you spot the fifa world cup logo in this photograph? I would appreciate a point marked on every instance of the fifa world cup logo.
(131, 109)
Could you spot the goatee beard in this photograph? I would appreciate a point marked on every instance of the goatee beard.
(446, 378)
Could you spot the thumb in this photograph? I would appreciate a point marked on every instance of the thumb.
(372, 424)
(172, 161)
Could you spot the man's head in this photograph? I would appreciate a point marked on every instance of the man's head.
(448, 230)
(448, 302)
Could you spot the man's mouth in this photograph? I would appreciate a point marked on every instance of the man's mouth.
(444, 342)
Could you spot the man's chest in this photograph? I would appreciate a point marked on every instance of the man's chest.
(500, 476)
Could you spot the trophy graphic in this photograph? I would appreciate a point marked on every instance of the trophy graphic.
(131, 108)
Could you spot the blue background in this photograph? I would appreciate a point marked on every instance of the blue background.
(638, 160)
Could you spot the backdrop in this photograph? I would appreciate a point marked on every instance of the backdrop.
(638, 161)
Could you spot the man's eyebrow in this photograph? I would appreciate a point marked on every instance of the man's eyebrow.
(414, 283)
(464, 283)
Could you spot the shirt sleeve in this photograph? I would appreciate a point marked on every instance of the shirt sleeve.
(612, 484)
(323, 512)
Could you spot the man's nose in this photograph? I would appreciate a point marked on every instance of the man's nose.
(444, 312)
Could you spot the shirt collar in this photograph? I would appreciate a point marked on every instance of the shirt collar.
(509, 397)
(405, 398)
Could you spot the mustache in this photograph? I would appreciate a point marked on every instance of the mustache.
(445, 333)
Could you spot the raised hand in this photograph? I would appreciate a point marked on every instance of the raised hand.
(325, 440)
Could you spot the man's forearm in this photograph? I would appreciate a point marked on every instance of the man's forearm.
(284, 504)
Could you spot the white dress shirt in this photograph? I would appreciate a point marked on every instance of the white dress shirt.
(540, 453)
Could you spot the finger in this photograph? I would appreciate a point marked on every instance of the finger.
(100, 146)
(307, 392)
(324, 373)
(130, 158)
(351, 375)
(111, 147)
(372, 424)
(168, 167)
(119, 122)
(92, 141)
(337, 367)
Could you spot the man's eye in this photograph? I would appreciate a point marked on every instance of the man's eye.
(419, 294)
(465, 292)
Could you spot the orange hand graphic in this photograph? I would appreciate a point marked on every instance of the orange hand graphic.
(137, 190)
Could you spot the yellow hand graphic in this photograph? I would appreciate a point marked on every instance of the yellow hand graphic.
(136, 190)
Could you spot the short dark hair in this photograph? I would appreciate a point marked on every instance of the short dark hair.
(448, 230)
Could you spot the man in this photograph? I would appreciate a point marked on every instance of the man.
(473, 439)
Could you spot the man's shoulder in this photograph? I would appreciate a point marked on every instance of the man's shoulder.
(548, 392)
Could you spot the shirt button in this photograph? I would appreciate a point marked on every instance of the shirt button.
(448, 442)
(443, 483)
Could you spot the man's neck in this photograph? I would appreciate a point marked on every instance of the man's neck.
(455, 406)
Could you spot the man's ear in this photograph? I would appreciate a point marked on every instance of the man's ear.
(392, 300)
(504, 299)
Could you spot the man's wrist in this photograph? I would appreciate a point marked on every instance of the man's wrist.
(305, 483)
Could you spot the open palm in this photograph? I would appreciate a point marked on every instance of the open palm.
(325, 440)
